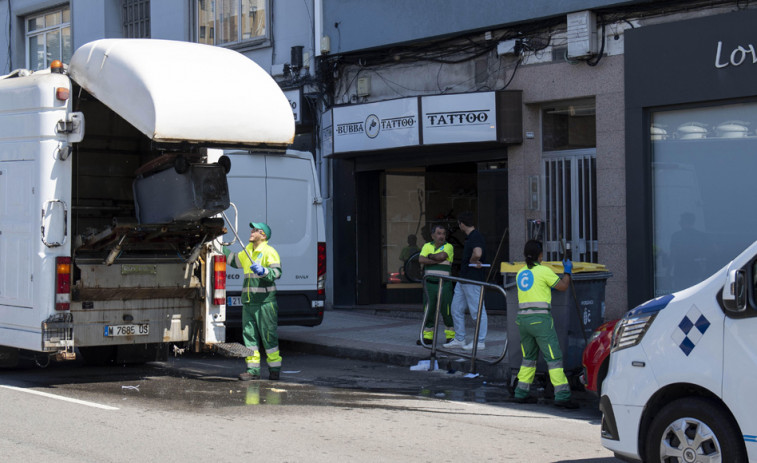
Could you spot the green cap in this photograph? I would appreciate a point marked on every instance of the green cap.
(263, 227)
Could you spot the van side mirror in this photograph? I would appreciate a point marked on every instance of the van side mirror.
(734, 291)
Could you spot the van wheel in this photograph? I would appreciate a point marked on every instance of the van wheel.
(694, 429)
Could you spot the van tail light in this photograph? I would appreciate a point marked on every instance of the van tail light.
(62, 283)
(219, 280)
(321, 269)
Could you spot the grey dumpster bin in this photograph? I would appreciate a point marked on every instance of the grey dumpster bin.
(589, 281)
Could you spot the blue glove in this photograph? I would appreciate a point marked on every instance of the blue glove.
(567, 266)
(257, 269)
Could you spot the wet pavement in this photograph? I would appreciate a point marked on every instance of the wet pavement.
(392, 340)
(342, 362)
(209, 382)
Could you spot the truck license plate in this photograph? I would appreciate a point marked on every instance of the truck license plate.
(127, 330)
(234, 300)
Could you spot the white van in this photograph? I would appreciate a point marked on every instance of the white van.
(108, 202)
(281, 190)
(683, 373)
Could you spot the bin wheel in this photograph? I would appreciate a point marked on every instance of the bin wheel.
(512, 381)
(181, 164)
(575, 383)
(225, 162)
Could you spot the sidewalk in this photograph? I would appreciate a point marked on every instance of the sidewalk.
(386, 339)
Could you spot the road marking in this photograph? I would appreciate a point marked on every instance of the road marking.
(60, 397)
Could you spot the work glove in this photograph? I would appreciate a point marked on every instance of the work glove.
(226, 251)
(257, 269)
(567, 266)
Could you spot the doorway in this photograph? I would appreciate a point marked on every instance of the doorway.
(397, 208)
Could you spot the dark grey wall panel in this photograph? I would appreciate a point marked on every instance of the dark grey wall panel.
(365, 24)
(670, 65)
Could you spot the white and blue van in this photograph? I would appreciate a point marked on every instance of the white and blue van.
(683, 373)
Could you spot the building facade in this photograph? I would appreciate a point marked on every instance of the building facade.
(582, 174)
(618, 130)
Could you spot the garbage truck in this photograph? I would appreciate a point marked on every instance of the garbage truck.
(109, 204)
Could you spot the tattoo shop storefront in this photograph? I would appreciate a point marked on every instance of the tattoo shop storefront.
(400, 166)
(691, 135)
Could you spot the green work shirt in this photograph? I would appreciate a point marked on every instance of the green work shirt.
(535, 286)
(439, 268)
(257, 289)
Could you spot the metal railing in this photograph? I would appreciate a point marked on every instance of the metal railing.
(434, 349)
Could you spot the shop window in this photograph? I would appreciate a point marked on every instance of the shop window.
(570, 181)
(403, 204)
(413, 200)
(703, 164)
(48, 37)
(569, 125)
(229, 22)
(136, 19)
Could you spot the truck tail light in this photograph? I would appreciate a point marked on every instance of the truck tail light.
(62, 283)
(321, 268)
(219, 280)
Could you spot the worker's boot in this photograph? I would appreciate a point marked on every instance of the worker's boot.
(274, 375)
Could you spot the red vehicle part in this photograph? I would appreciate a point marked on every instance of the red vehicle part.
(596, 357)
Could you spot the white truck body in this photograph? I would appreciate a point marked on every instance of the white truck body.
(71, 149)
(281, 190)
(682, 376)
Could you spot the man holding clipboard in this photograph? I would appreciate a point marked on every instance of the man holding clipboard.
(466, 295)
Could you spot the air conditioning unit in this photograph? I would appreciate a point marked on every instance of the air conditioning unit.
(582, 34)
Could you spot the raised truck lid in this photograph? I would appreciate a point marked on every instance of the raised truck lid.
(185, 92)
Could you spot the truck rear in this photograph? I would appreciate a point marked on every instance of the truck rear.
(108, 203)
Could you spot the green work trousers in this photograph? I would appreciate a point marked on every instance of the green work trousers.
(429, 304)
(537, 332)
(260, 329)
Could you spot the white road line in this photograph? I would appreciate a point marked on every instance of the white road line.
(59, 397)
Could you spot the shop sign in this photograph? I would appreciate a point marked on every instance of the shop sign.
(460, 118)
(736, 57)
(374, 126)
(295, 101)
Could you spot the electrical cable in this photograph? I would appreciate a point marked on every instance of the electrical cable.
(515, 69)
(591, 62)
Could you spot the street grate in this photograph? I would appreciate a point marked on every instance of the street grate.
(232, 349)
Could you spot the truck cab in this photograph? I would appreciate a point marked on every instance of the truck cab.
(681, 376)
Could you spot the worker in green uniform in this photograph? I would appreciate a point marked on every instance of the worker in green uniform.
(260, 311)
(537, 327)
(436, 257)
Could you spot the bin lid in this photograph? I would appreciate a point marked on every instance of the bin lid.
(177, 92)
(578, 267)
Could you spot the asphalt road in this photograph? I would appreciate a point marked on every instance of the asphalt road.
(192, 408)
